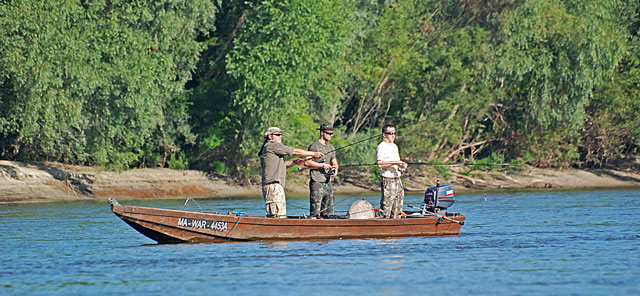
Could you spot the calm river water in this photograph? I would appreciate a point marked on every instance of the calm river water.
(513, 243)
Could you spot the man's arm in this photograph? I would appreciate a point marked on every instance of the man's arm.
(335, 166)
(305, 153)
(290, 163)
(383, 164)
(386, 153)
(308, 155)
(312, 164)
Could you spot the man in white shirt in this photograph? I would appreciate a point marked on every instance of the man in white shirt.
(390, 165)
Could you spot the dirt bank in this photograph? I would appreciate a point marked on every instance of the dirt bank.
(21, 182)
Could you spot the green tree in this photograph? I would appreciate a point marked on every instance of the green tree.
(552, 55)
(612, 125)
(93, 82)
(280, 57)
(429, 69)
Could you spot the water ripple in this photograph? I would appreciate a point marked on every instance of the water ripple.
(515, 243)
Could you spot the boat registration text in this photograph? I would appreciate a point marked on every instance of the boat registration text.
(202, 224)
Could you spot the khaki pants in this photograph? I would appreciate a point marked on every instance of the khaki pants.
(275, 201)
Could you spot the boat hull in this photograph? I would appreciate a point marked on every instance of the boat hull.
(173, 226)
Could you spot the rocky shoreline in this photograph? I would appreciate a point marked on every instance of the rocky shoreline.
(50, 182)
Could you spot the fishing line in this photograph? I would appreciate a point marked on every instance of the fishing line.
(189, 199)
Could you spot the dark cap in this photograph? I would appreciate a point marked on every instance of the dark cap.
(325, 126)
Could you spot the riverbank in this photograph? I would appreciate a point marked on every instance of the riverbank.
(48, 182)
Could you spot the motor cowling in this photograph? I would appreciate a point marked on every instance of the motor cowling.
(439, 196)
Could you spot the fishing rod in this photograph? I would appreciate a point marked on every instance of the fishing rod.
(358, 142)
(334, 150)
(419, 163)
(430, 164)
(411, 163)
(337, 149)
(437, 215)
(369, 138)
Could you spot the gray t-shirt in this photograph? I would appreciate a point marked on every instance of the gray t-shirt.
(319, 175)
(272, 161)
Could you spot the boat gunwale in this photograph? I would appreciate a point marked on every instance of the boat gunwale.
(289, 221)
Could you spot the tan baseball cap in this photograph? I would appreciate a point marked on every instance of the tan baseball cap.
(272, 130)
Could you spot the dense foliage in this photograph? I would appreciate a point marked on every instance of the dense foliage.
(97, 82)
(552, 83)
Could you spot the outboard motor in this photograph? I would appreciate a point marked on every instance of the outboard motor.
(438, 197)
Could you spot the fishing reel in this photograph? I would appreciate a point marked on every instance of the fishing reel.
(331, 171)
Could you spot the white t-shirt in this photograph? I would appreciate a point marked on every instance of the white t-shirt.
(388, 152)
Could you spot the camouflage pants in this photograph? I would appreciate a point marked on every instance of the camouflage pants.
(275, 201)
(321, 198)
(392, 197)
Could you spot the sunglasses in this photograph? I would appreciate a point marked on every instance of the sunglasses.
(391, 133)
(329, 133)
(277, 135)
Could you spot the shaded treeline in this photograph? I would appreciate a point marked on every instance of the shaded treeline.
(195, 83)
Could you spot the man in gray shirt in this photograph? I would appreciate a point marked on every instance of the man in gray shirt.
(323, 169)
(274, 170)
